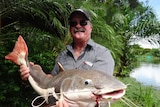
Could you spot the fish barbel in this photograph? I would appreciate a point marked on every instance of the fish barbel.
(79, 88)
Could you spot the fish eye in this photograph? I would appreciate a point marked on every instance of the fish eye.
(87, 82)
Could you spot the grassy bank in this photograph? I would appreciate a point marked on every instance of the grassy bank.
(139, 95)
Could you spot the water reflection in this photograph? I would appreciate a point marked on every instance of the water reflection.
(148, 74)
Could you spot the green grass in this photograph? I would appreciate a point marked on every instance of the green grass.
(138, 94)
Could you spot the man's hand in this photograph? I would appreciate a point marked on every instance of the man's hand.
(61, 103)
(24, 71)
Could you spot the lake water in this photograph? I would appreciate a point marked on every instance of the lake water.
(148, 74)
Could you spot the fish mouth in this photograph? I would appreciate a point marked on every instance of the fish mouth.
(113, 95)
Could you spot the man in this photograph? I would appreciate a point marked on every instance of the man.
(82, 53)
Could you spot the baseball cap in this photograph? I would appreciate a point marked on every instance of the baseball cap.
(81, 11)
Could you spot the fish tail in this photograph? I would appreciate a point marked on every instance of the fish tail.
(19, 53)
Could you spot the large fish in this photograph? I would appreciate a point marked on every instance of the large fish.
(79, 88)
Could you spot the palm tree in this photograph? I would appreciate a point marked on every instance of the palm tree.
(44, 26)
(128, 18)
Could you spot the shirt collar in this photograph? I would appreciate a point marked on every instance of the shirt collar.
(89, 43)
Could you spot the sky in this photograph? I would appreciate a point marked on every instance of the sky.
(155, 4)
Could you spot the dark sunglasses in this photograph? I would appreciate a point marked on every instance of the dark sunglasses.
(74, 23)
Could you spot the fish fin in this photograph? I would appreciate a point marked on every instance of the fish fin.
(19, 53)
(60, 67)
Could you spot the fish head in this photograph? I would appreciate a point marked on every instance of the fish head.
(87, 87)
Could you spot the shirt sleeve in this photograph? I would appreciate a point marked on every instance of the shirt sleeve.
(104, 62)
(55, 70)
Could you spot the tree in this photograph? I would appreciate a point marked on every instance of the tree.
(44, 27)
(126, 16)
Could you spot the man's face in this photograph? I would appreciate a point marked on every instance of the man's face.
(80, 28)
